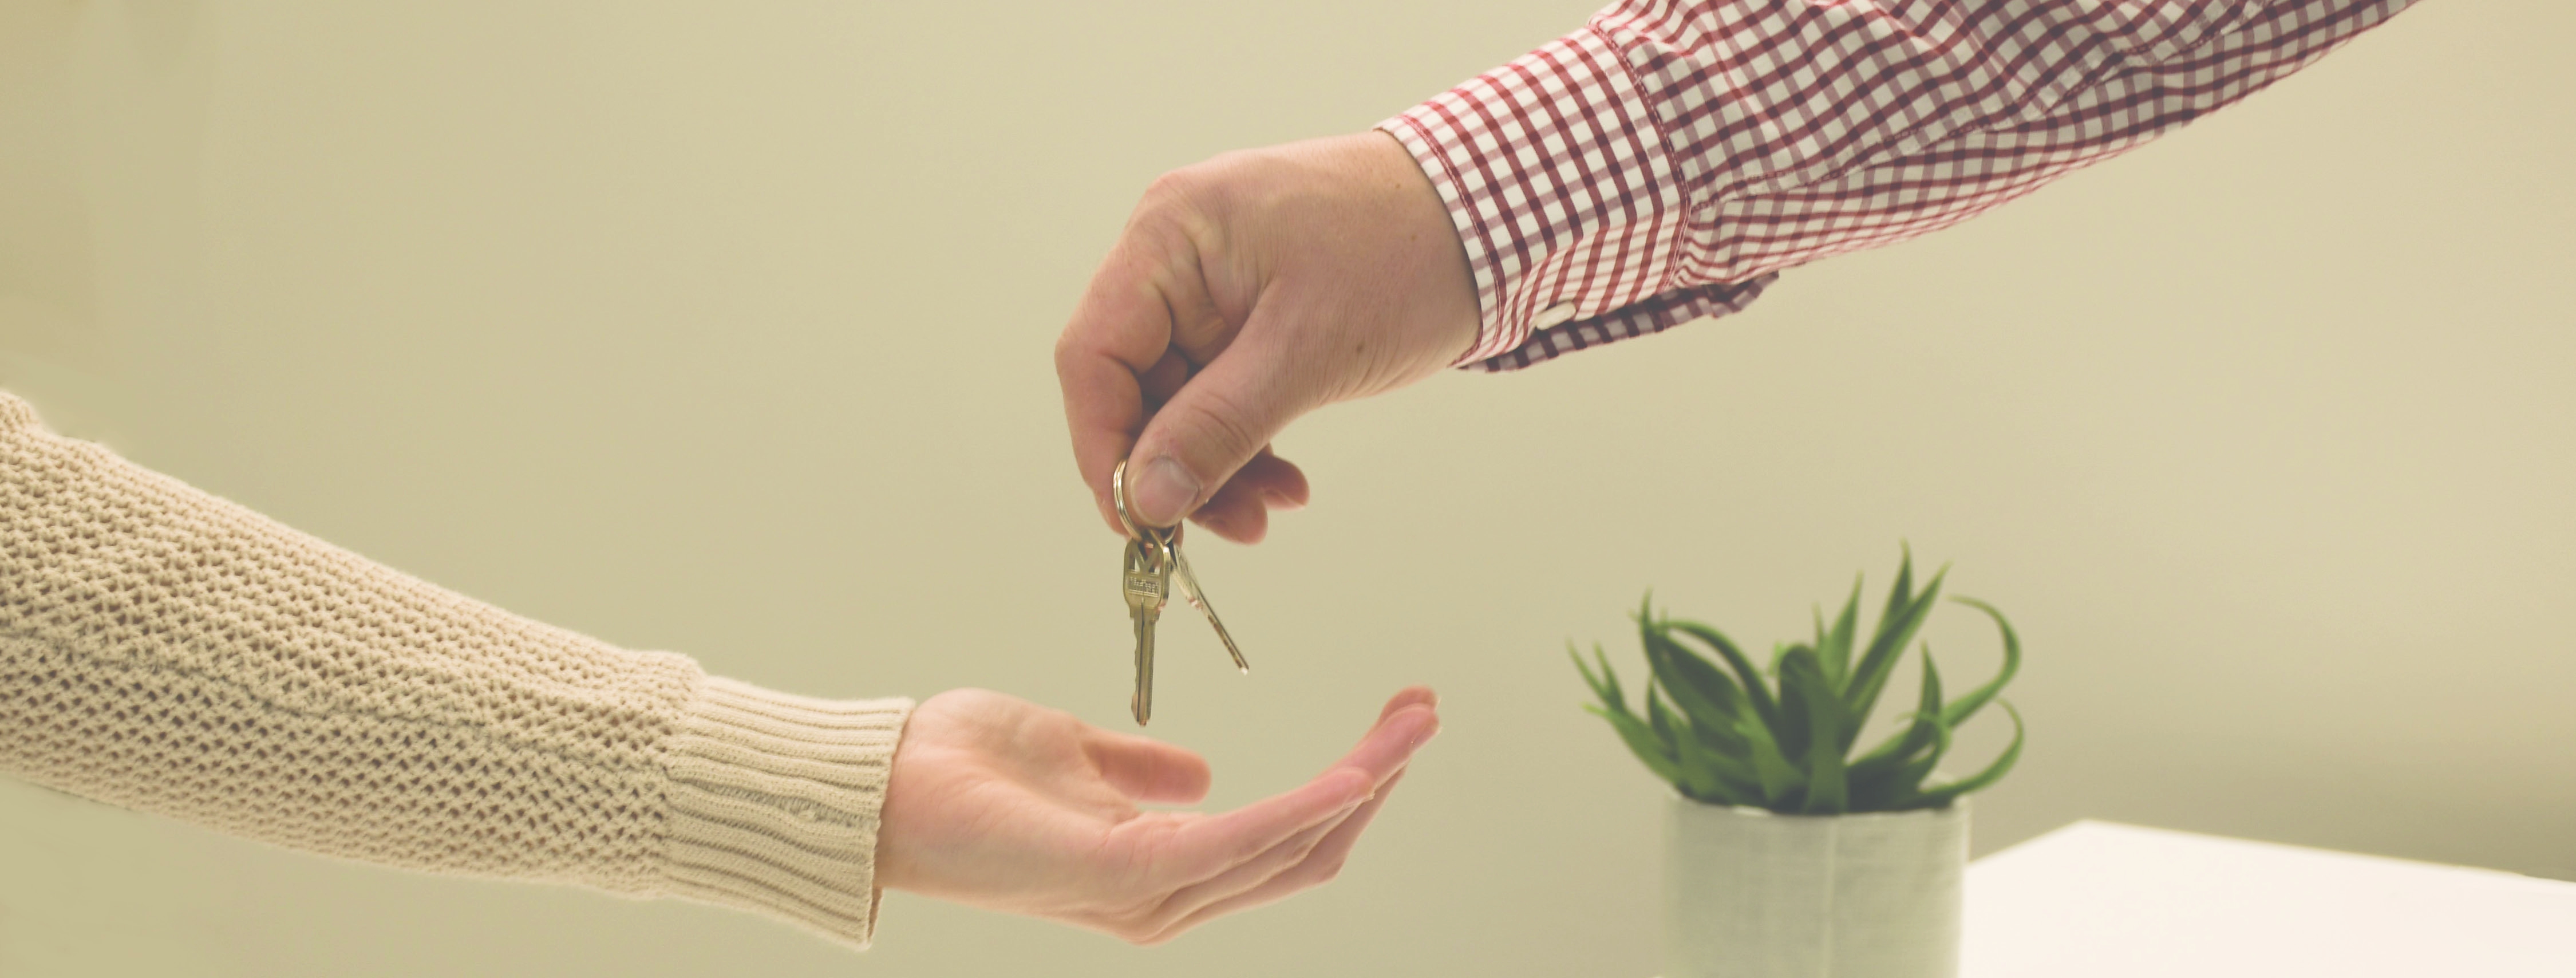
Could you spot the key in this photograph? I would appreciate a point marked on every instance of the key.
(1198, 599)
(1146, 583)
(1153, 556)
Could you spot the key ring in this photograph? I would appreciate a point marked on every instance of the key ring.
(1161, 539)
(1144, 554)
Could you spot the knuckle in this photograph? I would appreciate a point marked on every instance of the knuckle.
(1186, 187)
(1069, 351)
(1188, 201)
(1171, 186)
(1220, 421)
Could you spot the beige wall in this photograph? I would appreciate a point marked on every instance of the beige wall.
(725, 328)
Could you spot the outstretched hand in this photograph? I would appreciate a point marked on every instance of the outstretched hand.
(1245, 292)
(1000, 803)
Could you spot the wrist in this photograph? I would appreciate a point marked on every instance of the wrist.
(892, 867)
(1424, 224)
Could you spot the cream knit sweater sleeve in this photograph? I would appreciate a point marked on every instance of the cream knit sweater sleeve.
(165, 650)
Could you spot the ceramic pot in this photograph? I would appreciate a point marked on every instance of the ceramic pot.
(1753, 894)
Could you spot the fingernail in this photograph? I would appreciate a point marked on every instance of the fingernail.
(1164, 491)
(1416, 725)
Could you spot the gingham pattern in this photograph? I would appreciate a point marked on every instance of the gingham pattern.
(1666, 161)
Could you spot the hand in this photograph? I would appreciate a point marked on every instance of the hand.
(999, 803)
(1246, 291)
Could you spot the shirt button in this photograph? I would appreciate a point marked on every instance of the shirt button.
(1553, 316)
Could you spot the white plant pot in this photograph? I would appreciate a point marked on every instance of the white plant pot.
(1752, 894)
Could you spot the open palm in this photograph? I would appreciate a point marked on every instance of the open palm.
(1001, 803)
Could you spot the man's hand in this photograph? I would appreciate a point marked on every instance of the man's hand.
(1000, 803)
(1246, 291)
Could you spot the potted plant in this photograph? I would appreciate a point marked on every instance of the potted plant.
(1789, 852)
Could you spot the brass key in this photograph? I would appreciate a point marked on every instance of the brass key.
(1153, 557)
(1147, 583)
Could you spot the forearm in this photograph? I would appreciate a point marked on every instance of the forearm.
(1668, 160)
(165, 650)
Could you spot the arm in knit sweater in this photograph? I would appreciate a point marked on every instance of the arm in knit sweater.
(165, 650)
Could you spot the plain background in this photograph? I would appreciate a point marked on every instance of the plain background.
(726, 328)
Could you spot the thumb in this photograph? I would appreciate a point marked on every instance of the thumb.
(1206, 431)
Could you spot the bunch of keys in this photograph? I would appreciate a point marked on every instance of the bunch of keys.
(1154, 561)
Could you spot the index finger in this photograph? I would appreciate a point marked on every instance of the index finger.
(1120, 330)
(1203, 848)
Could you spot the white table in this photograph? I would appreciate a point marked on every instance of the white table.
(2099, 900)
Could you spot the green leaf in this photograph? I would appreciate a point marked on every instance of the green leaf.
(1833, 649)
(1641, 741)
(1734, 772)
(1708, 775)
(1902, 594)
(1889, 754)
(1819, 612)
(1697, 780)
(1906, 780)
(1966, 706)
(1609, 678)
(1994, 772)
(1802, 681)
(1657, 718)
(1779, 779)
(1589, 677)
(1796, 728)
(1703, 782)
(1896, 631)
(1692, 676)
(1704, 694)
(1764, 709)
(1653, 742)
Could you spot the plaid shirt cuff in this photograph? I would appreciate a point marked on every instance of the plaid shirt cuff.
(1558, 181)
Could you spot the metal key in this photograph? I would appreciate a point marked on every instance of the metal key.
(1147, 583)
(1198, 599)
(1153, 555)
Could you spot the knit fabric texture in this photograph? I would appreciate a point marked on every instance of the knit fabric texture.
(165, 650)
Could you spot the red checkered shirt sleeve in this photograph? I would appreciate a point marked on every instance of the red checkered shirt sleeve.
(1666, 161)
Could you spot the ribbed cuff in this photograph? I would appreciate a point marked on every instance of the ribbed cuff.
(774, 802)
